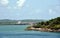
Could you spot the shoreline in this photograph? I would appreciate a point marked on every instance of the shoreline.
(42, 29)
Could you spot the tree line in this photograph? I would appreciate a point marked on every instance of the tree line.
(52, 24)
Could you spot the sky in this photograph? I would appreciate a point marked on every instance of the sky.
(29, 9)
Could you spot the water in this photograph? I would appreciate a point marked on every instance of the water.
(17, 31)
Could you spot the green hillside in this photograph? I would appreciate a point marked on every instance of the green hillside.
(53, 24)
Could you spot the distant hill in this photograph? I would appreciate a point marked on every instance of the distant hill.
(31, 20)
(8, 21)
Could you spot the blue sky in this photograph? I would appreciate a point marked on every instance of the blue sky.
(29, 9)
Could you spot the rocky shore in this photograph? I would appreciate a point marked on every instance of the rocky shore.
(43, 29)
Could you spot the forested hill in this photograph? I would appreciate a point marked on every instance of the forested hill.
(53, 24)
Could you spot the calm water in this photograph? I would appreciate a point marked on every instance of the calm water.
(17, 31)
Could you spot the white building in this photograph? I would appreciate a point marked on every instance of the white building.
(19, 22)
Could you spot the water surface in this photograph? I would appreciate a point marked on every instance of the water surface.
(18, 31)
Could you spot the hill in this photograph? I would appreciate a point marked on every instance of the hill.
(27, 21)
(50, 25)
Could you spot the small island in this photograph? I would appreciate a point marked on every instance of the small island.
(52, 25)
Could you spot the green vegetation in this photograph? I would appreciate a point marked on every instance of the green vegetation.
(52, 24)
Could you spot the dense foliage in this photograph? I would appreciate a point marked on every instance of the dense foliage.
(53, 24)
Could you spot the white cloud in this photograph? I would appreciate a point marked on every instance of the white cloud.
(52, 12)
(4, 2)
(20, 3)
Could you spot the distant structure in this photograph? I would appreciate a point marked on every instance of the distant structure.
(19, 22)
(25, 23)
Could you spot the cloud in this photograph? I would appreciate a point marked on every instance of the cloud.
(20, 3)
(52, 12)
(4, 2)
